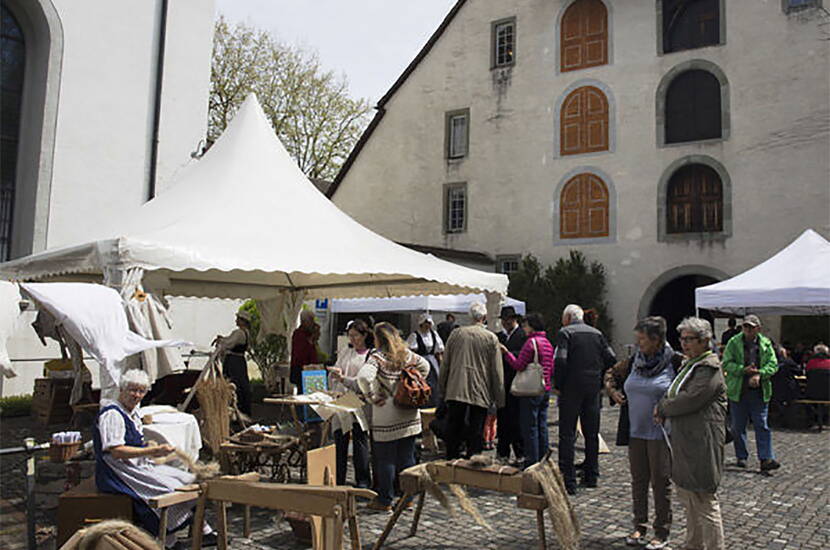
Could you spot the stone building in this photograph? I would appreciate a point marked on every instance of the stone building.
(678, 142)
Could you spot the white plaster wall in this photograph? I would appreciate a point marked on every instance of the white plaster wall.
(776, 154)
(105, 113)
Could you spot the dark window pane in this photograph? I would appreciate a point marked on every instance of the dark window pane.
(689, 24)
(693, 107)
(456, 209)
(12, 63)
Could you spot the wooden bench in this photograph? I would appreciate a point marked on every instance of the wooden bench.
(84, 505)
(813, 405)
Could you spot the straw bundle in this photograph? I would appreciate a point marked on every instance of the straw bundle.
(562, 516)
(118, 534)
(201, 470)
(215, 395)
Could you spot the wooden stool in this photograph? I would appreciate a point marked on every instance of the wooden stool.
(83, 505)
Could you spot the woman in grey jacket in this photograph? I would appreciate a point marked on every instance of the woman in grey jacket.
(695, 407)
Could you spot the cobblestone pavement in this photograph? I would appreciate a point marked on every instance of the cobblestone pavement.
(786, 510)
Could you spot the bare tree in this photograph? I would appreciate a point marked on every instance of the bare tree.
(309, 108)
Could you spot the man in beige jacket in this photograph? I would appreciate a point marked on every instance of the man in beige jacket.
(471, 379)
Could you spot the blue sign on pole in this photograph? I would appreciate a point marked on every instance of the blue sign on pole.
(321, 304)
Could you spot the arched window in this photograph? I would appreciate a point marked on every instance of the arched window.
(694, 200)
(583, 208)
(583, 122)
(693, 107)
(12, 64)
(689, 24)
(583, 36)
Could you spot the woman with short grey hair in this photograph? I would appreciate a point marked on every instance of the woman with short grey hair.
(695, 403)
(637, 384)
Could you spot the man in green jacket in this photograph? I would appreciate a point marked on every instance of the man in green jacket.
(749, 363)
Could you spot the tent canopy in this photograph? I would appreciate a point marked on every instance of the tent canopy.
(796, 281)
(454, 303)
(245, 222)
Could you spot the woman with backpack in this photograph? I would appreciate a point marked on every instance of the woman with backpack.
(395, 421)
(533, 410)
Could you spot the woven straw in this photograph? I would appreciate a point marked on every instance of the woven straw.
(215, 396)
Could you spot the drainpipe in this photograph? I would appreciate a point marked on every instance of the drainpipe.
(154, 144)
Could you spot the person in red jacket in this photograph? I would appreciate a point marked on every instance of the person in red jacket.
(818, 376)
(303, 350)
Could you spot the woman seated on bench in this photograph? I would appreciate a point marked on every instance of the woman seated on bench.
(818, 374)
(123, 462)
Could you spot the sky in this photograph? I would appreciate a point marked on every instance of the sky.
(369, 41)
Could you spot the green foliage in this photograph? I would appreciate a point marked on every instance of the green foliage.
(571, 280)
(309, 108)
(267, 350)
(15, 405)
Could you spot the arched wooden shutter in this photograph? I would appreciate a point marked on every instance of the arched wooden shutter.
(584, 122)
(583, 40)
(694, 201)
(583, 208)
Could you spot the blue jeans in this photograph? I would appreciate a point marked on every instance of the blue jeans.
(392, 457)
(533, 424)
(751, 406)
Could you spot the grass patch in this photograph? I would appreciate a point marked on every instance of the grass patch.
(15, 405)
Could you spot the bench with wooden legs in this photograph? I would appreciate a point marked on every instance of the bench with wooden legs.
(502, 479)
(813, 405)
(334, 504)
(190, 493)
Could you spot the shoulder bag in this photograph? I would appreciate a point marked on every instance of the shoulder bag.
(529, 382)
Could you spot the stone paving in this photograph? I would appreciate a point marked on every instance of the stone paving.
(786, 510)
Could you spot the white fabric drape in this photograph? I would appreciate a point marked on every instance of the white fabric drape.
(9, 318)
(278, 315)
(148, 318)
(94, 317)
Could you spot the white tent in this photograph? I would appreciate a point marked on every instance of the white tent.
(243, 222)
(454, 303)
(796, 281)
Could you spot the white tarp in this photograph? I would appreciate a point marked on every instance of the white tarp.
(796, 281)
(9, 319)
(245, 222)
(93, 315)
(454, 303)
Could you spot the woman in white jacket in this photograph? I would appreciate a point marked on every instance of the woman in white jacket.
(344, 376)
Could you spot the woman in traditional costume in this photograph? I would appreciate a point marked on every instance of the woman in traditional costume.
(234, 365)
(123, 462)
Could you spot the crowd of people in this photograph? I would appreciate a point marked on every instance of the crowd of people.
(678, 408)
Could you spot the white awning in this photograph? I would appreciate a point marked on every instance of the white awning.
(454, 303)
(796, 281)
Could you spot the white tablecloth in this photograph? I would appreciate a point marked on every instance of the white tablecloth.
(178, 429)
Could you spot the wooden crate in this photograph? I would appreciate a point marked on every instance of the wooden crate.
(50, 401)
(83, 505)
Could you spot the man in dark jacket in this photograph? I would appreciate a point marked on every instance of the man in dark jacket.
(507, 424)
(582, 356)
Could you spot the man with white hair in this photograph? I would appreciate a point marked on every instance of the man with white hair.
(123, 462)
(582, 357)
(471, 379)
(303, 347)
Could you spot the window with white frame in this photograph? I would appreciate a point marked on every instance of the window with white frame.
(503, 42)
(457, 133)
(508, 264)
(455, 208)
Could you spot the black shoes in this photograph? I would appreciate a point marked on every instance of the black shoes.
(570, 489)
(769, 464)
(590, 483)
(740, 463)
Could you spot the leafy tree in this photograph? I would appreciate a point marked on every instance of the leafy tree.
(571, 280)
(267, 351)
(309, 107)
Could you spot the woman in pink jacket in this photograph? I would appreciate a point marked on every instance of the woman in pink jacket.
(533, 411)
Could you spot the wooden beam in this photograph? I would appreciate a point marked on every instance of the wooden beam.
(481, 479)
(170, 499)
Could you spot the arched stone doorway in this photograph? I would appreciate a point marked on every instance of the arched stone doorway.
(672, 296)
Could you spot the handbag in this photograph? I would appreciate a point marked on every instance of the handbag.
(529, 382)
